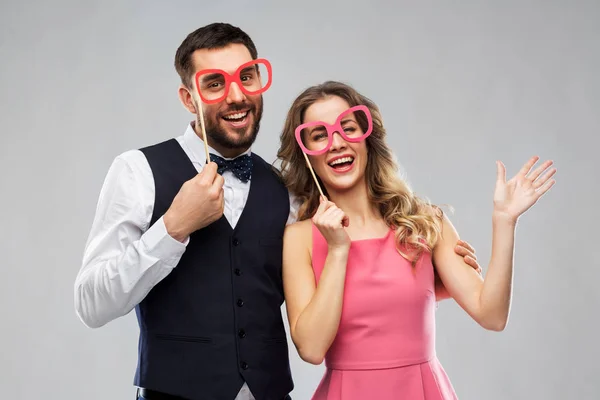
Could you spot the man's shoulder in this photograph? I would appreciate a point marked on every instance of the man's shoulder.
(136, 159)
(159, 145)
(261, 160)
(129, 158)
(273, 170)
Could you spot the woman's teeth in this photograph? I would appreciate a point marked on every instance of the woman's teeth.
(341, 161)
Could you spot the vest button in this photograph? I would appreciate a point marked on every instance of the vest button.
(244, 365)
(236, 242)
(242, 333)
(237, 272)
(240, 302)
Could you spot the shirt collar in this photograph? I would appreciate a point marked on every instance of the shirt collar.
(195, 145)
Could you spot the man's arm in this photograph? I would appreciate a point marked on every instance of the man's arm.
(124, 257)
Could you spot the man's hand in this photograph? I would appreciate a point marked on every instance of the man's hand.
(199, 203)
(467, 251)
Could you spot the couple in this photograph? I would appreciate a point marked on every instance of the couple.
(206, 253)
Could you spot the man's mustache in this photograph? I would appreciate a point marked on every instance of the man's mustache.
(237, 107)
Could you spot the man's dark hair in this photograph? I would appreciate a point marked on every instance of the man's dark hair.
(214, 36)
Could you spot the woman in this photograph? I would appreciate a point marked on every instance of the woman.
(359, 266)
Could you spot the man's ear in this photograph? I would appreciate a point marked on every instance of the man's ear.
(187, 99)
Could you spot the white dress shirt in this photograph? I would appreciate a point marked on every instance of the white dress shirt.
(124, 257)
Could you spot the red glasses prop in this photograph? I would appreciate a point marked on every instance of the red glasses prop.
(213, 85)
(253, 77)
(316, 138)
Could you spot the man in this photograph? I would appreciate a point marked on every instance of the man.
(196, 248)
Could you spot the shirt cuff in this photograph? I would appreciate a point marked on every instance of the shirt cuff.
(160, 244)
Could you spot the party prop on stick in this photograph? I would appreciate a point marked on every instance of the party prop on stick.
(312, 171)
(316, 137)
(204, 133)
(213, 85)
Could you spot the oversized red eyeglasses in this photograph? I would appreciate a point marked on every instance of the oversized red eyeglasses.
(253, 77)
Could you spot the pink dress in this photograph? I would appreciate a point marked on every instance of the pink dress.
(385, 345)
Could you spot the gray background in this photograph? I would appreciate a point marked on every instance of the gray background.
(460, 84)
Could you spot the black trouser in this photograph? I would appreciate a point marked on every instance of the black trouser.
(146, 394)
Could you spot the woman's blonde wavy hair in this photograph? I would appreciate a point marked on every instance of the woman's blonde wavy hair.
(416, 222)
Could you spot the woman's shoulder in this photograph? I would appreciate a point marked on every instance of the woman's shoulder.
(433, 212)
(297, 238)
(299, 230)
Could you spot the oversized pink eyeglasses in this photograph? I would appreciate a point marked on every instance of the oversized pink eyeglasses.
(316, 137)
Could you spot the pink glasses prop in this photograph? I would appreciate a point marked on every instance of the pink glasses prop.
(316, 138)
(212, 85)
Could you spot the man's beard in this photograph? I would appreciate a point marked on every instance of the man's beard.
(220, 136)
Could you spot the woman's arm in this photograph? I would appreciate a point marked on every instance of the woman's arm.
(313, 310)
(488, 301)
(467, 252)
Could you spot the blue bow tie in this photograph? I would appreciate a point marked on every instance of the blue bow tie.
(240, 166)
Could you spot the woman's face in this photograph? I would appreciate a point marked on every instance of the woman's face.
(343, 165)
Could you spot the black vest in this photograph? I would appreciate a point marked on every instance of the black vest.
(215, 321)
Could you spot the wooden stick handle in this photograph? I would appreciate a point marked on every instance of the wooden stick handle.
(313, 174)
(203, 132)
